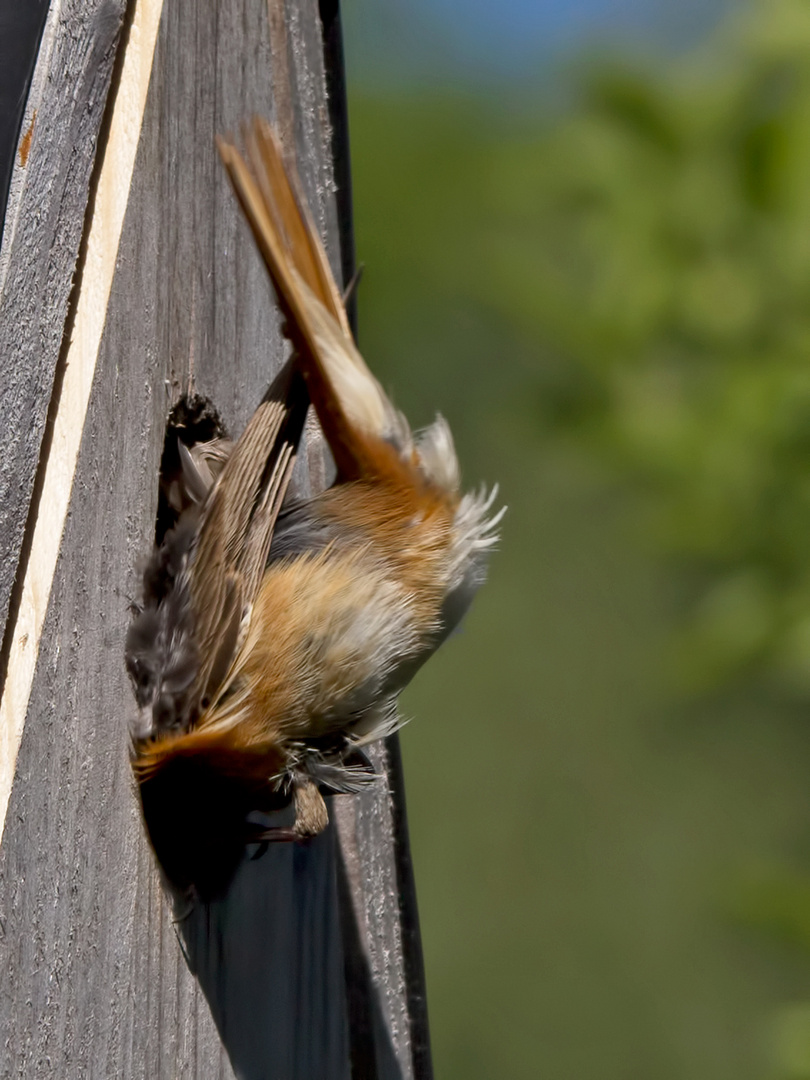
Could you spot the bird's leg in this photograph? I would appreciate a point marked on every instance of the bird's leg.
(311, 817)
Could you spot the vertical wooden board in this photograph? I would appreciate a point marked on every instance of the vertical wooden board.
(43, 229)
(98, 985)
(269, 955)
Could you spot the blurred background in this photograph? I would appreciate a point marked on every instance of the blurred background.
(586, 230)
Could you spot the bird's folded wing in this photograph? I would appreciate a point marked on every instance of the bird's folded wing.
(236, 529)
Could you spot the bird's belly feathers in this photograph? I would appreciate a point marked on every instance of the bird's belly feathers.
(349, 608)
(341, 622)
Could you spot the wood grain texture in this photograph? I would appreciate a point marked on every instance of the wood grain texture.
(365, 824)
(41, 238)
(96, 985)
(303, 967)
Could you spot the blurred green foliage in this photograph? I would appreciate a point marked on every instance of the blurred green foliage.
(612, 307)
(673, 220)
(656, 244)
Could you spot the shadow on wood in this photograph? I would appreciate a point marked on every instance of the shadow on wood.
(280, 961)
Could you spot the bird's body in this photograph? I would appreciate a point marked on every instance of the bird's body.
(274, 639)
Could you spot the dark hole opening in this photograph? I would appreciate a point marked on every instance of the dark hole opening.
(193, 419)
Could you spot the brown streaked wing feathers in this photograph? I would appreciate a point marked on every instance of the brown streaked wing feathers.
(237, 527)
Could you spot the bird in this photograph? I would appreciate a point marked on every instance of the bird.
(275, 635)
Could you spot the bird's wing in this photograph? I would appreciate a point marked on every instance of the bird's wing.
(236, 528)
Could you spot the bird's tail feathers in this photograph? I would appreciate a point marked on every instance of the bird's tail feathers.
(365, 432)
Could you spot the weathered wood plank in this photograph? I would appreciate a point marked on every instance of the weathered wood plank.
(96, 984)
(43, 228)
(304, 962)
